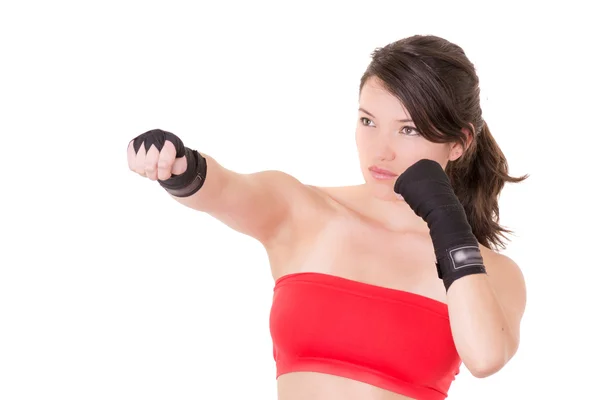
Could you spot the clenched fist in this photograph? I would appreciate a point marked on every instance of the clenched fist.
(164, 158)
(161, 156)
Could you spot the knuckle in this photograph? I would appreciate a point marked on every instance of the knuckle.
(149, 166)
(140, 170)
(164, 164)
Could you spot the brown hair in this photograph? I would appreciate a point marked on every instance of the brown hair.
(439, 87)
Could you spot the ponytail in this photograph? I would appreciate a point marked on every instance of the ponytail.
(477, 178)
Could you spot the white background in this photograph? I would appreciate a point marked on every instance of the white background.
(111, 290)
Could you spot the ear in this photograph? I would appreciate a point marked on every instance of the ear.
(456, 149)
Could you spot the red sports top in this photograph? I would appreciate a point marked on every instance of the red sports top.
(392, 339)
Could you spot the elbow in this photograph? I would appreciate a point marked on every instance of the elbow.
(490, 362)
(491, 358)
(483, 369)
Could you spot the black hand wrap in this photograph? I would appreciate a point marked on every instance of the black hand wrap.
(427, 190)
(192, 179)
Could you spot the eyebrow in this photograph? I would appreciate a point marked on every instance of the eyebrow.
(371, 115)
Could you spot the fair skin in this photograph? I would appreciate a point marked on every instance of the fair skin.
(364, 233)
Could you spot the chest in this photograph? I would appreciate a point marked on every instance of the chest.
(354, 249)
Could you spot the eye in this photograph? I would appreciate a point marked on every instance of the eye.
(410, 131)
(366, 121)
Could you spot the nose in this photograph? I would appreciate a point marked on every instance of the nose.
(385, 152)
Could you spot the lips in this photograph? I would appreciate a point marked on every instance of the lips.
(380, 173)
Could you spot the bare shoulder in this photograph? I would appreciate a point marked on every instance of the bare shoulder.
(503, 269)
(289, 188)
(278, 178)
(306, 205)
(311, 209)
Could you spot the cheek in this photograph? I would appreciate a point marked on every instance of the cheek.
(362, 144)
(439, 152)
(417, 150)
(411, 151)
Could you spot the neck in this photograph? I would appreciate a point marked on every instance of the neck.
(395, 214)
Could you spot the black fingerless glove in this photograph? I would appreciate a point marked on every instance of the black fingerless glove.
(192, 179)
(427, 190)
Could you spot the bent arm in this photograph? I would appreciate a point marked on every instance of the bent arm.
(485, 315)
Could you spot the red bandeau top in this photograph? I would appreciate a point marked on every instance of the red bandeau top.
(392, 339)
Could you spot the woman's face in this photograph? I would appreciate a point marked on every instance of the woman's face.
(387, 139)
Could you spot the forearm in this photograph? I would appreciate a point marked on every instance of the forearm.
(256, 204)
(479, 325)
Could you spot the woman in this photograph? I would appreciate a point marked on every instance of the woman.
(382, 289)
